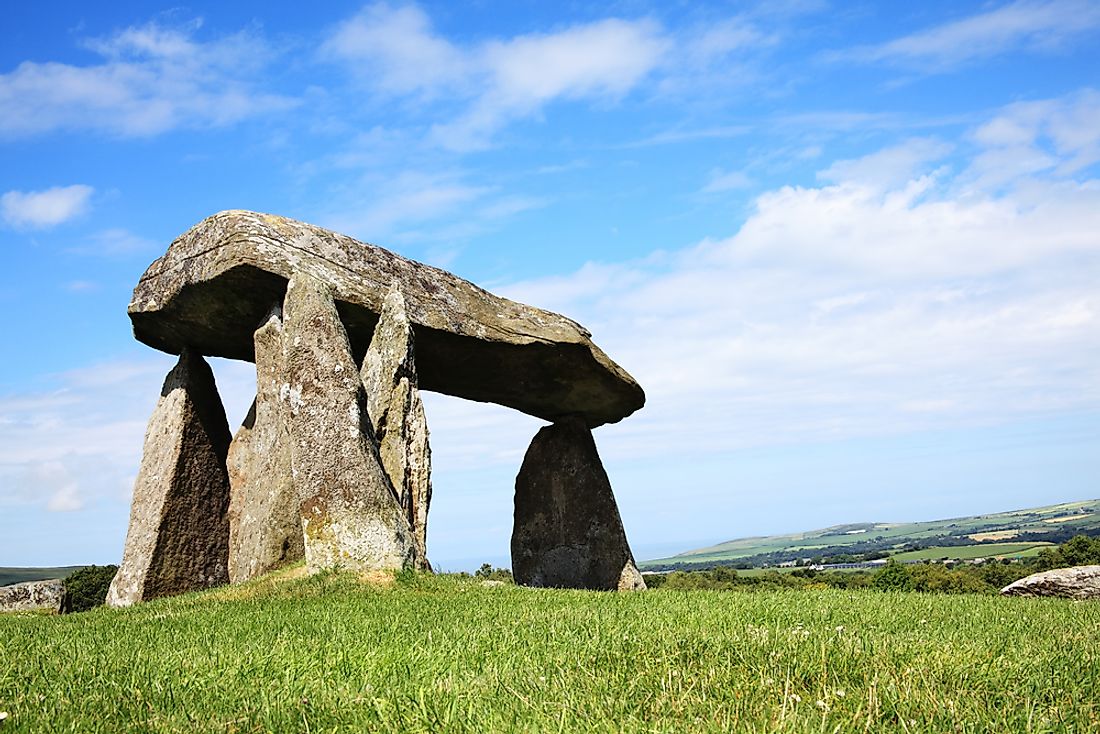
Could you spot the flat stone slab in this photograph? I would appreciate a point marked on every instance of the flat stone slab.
(33, 595)
(217, 281)
(1076, 582)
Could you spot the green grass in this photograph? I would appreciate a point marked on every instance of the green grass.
(326, 654)
(968, 552)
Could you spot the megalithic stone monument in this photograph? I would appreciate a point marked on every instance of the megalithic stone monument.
(179, 533)
(333, 462)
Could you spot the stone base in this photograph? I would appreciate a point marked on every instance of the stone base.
(567, 530)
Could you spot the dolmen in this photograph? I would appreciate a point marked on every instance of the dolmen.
(332, 464)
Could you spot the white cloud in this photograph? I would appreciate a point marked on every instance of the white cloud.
(889, 167)
(396, 52)
(79, 445)
(44, 209)
(1034, 25)
(886, 301)
(727, 181)
(153, 79)
(115, 242)
(1058, 137)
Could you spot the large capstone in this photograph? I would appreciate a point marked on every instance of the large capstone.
(217, 281)
(397, 415)
(567, 530)
(179, 531)
(265, 528)
(351, 516)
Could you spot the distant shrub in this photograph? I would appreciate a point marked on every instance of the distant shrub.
(87, 588)
(1080, 550)
(894, 576)
(489, 573)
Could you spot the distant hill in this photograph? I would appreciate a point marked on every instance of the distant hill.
(1016, 533)
(19, 575)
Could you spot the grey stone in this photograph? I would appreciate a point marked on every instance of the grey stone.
(217, 281)
(179, 530)
(265, 528)
(351, 517)
(1077, 582)
(567, 530)
(397, 415)
(30, 596)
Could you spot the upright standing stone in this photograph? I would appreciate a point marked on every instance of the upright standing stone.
(397, 415)
(351, 517)
(179, 530)
(265, 528)
(567, 530)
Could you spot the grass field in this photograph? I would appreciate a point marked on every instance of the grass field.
(969, 552)
(328, 654)
(19, 575)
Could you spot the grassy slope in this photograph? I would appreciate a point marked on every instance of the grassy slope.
(1036, 519)
(967, 552)
(19, 575)
(442, 654)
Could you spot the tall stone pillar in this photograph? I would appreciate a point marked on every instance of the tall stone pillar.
(265, 528)
(397, 415)
(179, 530)
(567, 530)
(351, 516)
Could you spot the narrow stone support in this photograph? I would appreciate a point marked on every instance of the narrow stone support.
(397, 415)
(567, 530)
(179, 530)
(350, 514)
(265, 528)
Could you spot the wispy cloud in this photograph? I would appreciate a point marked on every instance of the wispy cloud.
(115, 242)
(152, 79)
(395, 51)
(45, 209)
(1031, 25)
(727, 181)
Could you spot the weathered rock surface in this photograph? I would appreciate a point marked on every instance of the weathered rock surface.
(351, 517)
(217, 281)
(567, 530)
(1078, 582)
(397, 415)
(179, 530)
(33, 595)
(265, 528)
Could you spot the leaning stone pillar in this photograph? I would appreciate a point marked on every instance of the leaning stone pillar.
(265, 529)
(397, 416)
(351, 517)
(567, 530)
(179, 531)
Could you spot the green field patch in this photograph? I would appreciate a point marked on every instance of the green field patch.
(970, 552)
(19, 575)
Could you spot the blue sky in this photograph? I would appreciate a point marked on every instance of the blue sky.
(851, 250)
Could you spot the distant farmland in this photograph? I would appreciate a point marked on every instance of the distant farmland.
(1019, 533)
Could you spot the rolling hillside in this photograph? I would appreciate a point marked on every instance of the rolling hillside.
(19, 575)
(955, 537)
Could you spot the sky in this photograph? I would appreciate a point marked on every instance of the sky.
(851, 250)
